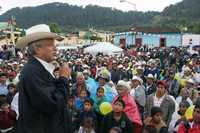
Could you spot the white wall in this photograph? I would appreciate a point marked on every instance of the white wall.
(187, 37)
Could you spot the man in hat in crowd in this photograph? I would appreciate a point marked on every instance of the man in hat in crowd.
(193, 125)
(163, 100)
(114, 72)
(138, 93)
(42, 97)
(150, 86)
(172, 83)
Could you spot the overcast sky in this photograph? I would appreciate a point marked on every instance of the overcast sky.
(141, 5)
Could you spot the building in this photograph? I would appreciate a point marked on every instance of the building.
(191, 39)
(6, 35)
(150, 36)
(85, 37)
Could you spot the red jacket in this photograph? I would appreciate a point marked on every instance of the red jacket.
(193, 128)
(7, 120)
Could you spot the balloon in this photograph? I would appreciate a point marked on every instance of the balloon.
(189, 112)
(183, 82)
(105, 108)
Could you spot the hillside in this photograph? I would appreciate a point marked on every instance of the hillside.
(70, 18)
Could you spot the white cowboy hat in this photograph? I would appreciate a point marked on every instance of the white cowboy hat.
(150, 76)
(120, 66)
(190, 81)
(35, 33)
(137, 78)
(124, 84)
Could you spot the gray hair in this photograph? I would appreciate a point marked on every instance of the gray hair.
(31, 50)
(79, 74)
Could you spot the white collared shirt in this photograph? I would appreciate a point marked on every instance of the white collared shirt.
(157, 101)
(48, 66)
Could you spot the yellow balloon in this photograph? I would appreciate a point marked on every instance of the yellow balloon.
(189, 112)
(183, 82)
(105, 108)
(177, 76)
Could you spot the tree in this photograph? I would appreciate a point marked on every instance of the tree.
(54, 27)
(196, 28)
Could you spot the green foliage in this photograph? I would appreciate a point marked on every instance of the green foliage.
(183, 15)
(95, 38)
(54, 27)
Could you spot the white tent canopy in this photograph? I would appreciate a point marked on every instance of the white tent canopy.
(103, 47)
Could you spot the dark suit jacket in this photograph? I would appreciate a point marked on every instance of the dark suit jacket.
(42, 101)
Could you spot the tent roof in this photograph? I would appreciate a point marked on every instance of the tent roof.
(103, 47)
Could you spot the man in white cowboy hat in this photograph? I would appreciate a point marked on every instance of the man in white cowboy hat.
(42, 97)
(172, 83)
(138, 93)
(150, 86)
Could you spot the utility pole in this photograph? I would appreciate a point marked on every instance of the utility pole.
(12, 23)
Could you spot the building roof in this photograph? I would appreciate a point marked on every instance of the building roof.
(155, 30)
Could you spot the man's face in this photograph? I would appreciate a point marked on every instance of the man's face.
(114, 65)
(101, 81)
(196, 115)
(3, 79)
(149, 81)
(135, 83)
(48, 50)
(160, 90)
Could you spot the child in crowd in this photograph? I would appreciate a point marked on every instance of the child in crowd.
(156, 120)
(12, 91)
(7, 118)
(178, 117)
(117, 118)
(88, 111)
(74, 113)
(88, 126)
(79, 101)
(98, 99)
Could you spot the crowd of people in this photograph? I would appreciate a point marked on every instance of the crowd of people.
(149, 90)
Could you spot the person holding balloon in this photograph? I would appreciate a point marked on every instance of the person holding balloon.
(179, 116)
(117, 118)
(98, 100)
(191, 125)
